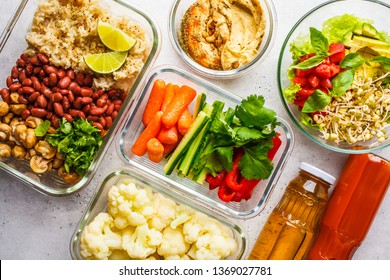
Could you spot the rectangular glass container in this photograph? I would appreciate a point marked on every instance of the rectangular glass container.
(142, 179)
(12, 45)
(201, 193)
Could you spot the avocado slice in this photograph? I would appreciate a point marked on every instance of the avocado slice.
(373, 46)
(369, 31)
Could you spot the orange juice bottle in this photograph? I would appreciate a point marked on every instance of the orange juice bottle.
(290, 228)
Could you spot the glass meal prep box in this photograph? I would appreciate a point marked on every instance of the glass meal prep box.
(13, 44)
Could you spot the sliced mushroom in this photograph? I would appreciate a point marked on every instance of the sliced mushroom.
(5, 150)
(5, 131)
(40, 165)
(19, 152)
(4, 108)
(19, 131)
(31, 138)
(46, 150)
(69, 177)
(33, 122)
(8, 118)
(57, 163)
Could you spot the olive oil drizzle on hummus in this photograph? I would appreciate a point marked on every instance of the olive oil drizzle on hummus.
(223, 34)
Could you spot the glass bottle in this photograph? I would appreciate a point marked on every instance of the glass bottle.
(290, 228)
(352, 207)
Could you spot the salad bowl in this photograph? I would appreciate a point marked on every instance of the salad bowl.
(334, 108)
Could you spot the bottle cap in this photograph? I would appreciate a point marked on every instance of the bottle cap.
(317, 172)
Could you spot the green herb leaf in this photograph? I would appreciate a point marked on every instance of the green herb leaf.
(317, 101)
(352, 60)
(342, 82)
(78, 143)
(255, 164)
(42, 128)
(385, 61)
(310, 62)
(319, 42)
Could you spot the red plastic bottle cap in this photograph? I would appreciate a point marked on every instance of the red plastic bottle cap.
(317, 172)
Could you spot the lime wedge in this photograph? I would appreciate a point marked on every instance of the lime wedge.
(114, 38)
(104, 63)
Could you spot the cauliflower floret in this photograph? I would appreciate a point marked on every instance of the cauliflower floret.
(140, 242)
(173, 244)
(119, 255)
(183, 214)
(129, 205)
(98, 240)
(210, 239)
(164, 212)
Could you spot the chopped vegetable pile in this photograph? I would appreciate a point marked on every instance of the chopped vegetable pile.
(340, 80)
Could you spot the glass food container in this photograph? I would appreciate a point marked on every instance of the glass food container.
(12, 45)
(143, 179)
(201, 193)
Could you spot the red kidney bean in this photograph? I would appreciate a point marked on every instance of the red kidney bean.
(27, 82)
(117, 107)
(55, 121)
(27, 90)
(36, 84)
(111, 93)
(52, 79)
(58, 109)
(110, 109)
(38, 112)
(65, 103)
(46, 91)
(85, 100)
(43, 58)
(88, 80)
(68, 117)
(15, 72)
(63, 91)
(33, 97)
(29, 69)
(49, 115)
(108, 122)
(50, 106)
(74, 113)
(25, 114)
(101, 102)
(117, 102)
(82, 115)
(24, 57)
(56, 97)
(48, 69)
(86, 109)
(91, 118)
(37, 70)
(9, 81)
(22, 75)
(46, 82)
(34, 61)
(103, 122)
(97, 94)
(15, 87)
(98, 125)
(114, 114)
(64, 82)
(42, 74)
(80, 79)
(42, 101)
(77, 103)
(20, 63)
(22, 99)
(61, 73)
(86, 91)
(5, 94)
(70, 73)
(96, 111)
(70, 96)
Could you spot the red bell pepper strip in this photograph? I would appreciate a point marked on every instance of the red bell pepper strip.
(224, 193)
(216, 181)
(233, 177)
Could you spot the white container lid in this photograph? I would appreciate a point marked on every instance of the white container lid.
(317, 172)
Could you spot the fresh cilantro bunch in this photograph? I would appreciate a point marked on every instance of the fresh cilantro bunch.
(78, 143)
(251, 127)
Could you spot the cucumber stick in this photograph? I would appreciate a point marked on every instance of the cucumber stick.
(201, 119)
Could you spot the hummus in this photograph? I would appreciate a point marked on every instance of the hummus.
(223, 34)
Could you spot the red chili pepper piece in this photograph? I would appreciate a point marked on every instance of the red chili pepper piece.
(216, 181)
(224, 193)
(233, 178)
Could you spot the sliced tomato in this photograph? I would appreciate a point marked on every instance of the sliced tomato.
(337, 52)
(326, 83)
(304, 93)
(313, 80)
(323, 71)
(307, 56)
(302, 81)
(334, 69)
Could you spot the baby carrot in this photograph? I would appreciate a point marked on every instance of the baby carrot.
(168, 148)
(152, 129)
(170, 91)
(155, 100)
(168, 135)
(155, 150)
(178, 104)
(184, 122)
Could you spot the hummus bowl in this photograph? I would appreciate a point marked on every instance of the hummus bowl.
(219, 40)
(24, 30)
(344, 133)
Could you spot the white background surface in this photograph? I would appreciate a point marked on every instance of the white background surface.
(34, 226)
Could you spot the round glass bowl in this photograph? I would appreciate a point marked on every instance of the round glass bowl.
(366, 9)
(177, 12)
